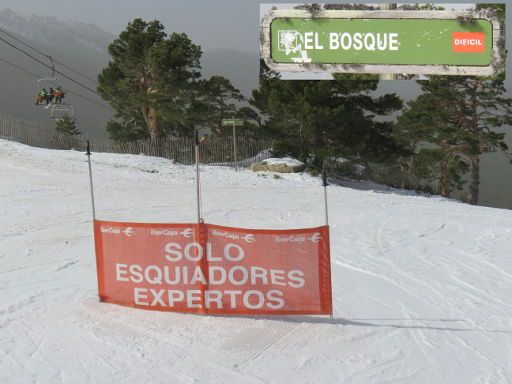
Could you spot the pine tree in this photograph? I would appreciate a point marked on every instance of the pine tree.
(473, 108)
(458, 116)
(222, 96)
(434, 146)
(148, 73)
(326, 118)
(67, 126)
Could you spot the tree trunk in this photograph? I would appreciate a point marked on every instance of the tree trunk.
(474, 180)
(220, 126)
(412, 164)
(445, 179)
(412, 159)
(151, 119)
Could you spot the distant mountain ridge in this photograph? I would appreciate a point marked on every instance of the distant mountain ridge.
(50, 30)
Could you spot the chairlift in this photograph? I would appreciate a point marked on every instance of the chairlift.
(62, 111)
(46, 83)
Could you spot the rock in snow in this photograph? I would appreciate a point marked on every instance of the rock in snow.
(284, 165)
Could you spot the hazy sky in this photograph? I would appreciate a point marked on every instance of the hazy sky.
(213, 24)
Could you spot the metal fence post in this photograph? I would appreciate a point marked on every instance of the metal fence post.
(90, 180)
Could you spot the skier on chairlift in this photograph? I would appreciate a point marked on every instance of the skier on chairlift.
(58, 95)
(41, 96)
(49, 97)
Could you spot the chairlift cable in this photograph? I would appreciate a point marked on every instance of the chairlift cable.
(20, 68)
(76, 72)
(47, 56)
(48, 66)
(88, 99)
(53, 66)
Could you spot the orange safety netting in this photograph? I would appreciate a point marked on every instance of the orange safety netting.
(204, 268)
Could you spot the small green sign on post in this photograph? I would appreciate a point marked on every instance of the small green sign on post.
(404, 42)
(233, 122)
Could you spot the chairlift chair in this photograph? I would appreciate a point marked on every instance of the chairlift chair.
(47, 82)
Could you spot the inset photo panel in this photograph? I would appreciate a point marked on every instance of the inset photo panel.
(391, 41)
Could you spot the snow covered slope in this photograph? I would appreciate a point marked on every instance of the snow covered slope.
(422, 286)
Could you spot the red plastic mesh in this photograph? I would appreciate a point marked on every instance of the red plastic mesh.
(210, 269)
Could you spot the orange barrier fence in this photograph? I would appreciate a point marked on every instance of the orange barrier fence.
(209, 269)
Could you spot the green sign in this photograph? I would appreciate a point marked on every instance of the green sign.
(381, 41)
(464, 43)
(232, 122)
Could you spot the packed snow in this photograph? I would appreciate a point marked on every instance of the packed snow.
(422, 286)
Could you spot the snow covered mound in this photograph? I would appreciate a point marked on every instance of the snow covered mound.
(422, 286)
(284, 161)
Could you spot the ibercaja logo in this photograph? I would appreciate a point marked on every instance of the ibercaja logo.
(116, 231)
(186, 233)
(315, 238)
(248, 238)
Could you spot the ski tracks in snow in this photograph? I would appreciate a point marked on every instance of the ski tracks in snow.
(422, 286)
